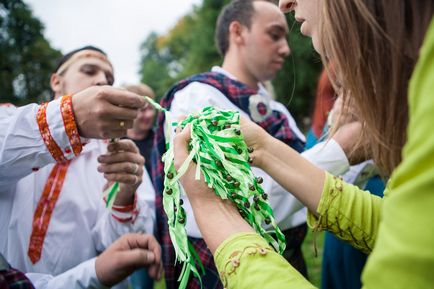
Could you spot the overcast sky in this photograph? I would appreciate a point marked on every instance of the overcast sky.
(116, 26)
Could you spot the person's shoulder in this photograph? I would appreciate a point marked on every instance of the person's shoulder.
(7, 108)
(196, 87)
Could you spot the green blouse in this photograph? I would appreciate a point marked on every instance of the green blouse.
(401, 226)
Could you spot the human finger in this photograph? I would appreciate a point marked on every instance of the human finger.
(121, 157)
(124, 178)
(127, 168)
(123, 98)
(125, 145)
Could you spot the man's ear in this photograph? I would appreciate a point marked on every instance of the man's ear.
(236, 33)
(56, 83)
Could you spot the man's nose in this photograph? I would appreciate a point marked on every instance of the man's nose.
(100, 79)
(284, 49)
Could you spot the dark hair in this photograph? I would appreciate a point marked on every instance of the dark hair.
(237, 10)
(67, 56)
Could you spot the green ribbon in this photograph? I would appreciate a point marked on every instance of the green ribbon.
(112, 192)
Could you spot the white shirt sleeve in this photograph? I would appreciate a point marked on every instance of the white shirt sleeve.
(80, 277)
(329, 156)
(22, 148)
(146, 219)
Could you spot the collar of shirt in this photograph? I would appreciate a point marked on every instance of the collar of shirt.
(261, 88)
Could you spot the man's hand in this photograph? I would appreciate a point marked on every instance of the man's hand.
(127, 254)
(348, 137)
(105, 112)
(347, 131)
(123, 164)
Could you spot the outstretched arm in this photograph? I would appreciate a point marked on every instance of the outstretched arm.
(35, 135)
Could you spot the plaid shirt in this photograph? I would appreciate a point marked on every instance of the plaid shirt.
(276, 124)
(11, 278)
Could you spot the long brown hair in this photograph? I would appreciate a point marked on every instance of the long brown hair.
(374, 45)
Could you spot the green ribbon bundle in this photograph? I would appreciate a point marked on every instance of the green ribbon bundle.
(217, 147)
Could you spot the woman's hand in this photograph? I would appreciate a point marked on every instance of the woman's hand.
(256, 138)
(195, 189)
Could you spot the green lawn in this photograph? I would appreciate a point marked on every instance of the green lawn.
(313, 263)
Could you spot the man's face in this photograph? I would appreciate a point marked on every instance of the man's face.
(145, 119)
(81, 74)
(266, 45)
(306, 12)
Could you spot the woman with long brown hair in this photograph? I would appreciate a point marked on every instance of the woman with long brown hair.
(374, 46)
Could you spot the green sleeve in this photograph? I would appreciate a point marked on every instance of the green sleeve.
(404, 253)
(348, 212)
(246, 261)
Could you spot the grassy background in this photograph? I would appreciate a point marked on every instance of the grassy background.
(313, 263)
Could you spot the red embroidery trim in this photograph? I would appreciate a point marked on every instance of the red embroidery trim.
(44, 210)
(126, 209)
(53, 148)
(132, 209)
(70, 124)
(122, 220)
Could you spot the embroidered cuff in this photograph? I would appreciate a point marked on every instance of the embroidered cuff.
(125, 214)
(70, 126)
(44, 129)
(230, 254)
(335, 214)
(61, 125)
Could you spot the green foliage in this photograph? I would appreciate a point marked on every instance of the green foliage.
(188, 48)
(155, 66)
(27, 59)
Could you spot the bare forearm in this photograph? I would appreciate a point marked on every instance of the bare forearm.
(217, 220)
(297, 175)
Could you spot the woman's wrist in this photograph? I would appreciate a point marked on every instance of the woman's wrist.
(218, 220)
(261, 150)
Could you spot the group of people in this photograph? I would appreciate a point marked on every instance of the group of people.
(56, 160)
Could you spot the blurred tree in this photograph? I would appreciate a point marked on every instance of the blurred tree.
(188, 48)
(26, 57)
(155, 65)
